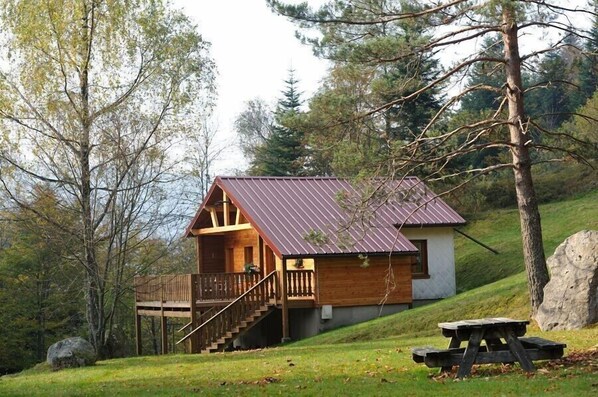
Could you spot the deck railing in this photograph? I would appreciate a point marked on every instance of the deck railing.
(237, 311)
(224, 286)
(174, 287)
(214, 286)
(300, 283)
(209, 287)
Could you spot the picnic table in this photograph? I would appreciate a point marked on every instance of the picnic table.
(504, 343)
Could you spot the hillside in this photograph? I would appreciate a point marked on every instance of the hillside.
(500, 230)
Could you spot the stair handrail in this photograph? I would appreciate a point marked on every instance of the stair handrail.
(226, 308)
(204, 314)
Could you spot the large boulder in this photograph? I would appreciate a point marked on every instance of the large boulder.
(571, 296)
(71, 353)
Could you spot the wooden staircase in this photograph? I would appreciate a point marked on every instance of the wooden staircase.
(238, 317)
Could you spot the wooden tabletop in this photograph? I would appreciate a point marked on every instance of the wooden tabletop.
(482, 323)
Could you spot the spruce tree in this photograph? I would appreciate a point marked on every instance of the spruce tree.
(283, 152)
(588, 74)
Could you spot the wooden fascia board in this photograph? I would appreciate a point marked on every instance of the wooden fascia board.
(221, 229)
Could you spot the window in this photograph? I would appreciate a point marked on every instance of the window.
(248, 255)
(419, 268)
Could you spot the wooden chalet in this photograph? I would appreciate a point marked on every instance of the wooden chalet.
(277, 259)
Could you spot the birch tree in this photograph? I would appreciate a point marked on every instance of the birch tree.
(91, 92)
(455, 30)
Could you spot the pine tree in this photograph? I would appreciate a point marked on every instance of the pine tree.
(283, 153)
(485, 80)
(588, 74)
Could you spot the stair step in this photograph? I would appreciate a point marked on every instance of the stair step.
(225, 339)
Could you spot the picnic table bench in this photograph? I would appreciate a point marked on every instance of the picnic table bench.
(493, 331)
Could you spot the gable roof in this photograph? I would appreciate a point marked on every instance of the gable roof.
(284, 210)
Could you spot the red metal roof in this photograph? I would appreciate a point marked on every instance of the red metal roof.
(284, 210)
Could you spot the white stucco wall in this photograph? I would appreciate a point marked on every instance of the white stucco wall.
(441, 262)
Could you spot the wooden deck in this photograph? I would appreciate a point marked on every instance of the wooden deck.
(172, 295)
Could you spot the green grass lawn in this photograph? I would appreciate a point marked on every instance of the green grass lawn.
(373, 358)
(380, 367)
(476, 266)
(367, 359)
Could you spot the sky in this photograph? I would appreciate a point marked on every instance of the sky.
(253, 49)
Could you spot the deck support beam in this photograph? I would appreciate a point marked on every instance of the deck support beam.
(163, 321)
(164, 333)
(285, 303)
(138, 333)
(194, 340)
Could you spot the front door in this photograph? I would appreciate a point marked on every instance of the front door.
(270, 261)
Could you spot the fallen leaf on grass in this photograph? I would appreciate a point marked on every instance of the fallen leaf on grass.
(265, 381)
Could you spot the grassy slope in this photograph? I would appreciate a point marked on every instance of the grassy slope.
(505, 298)
(500, 230)
(366, 359)
(381, 367)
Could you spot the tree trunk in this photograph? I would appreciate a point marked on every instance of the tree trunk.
(94, 287)
(531, 229)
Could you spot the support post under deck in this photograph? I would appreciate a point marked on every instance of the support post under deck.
(194, 340)
(285, 303)
(138, 332)
(164, 333)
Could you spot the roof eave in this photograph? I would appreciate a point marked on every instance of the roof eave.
(428, 225)
(347, 254)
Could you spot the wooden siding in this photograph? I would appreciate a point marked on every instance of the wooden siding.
(237, 241)
(341, 281)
